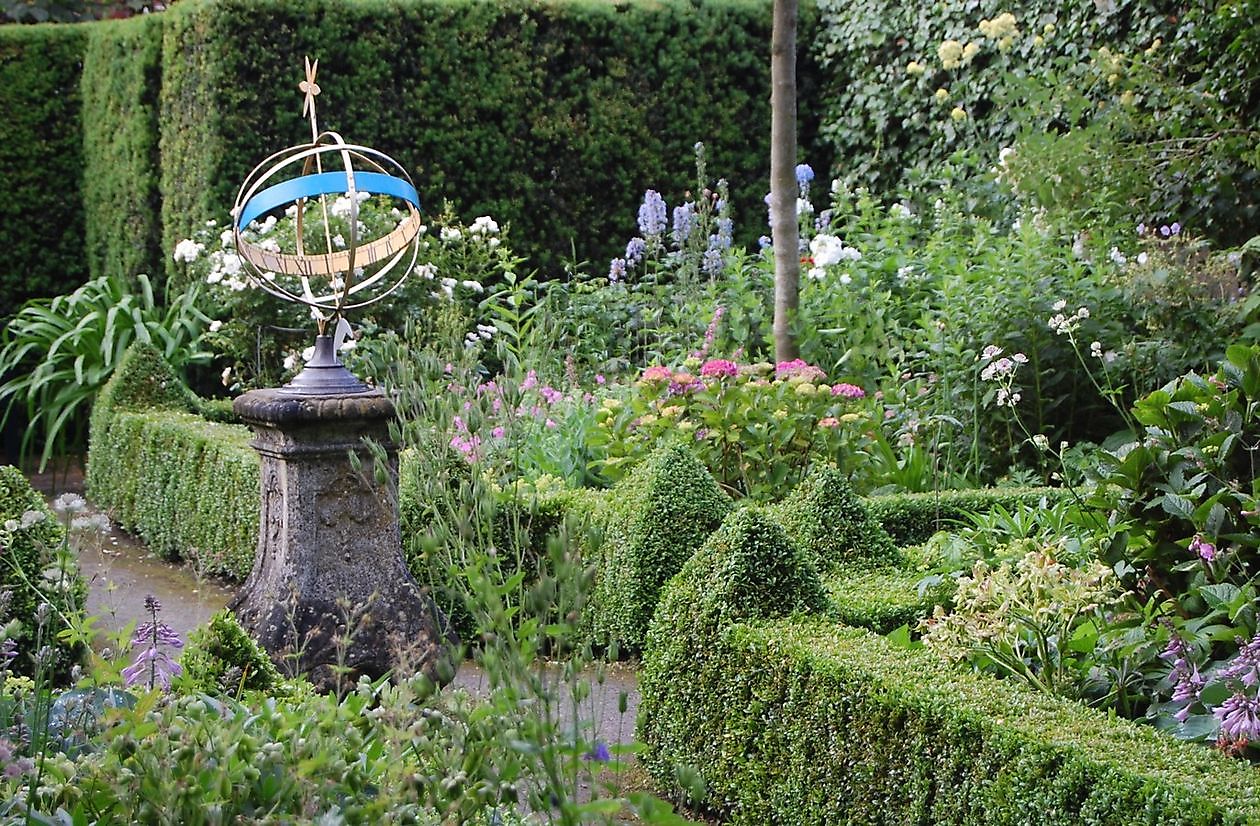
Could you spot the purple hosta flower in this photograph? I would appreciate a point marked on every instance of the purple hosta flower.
(847, 391)
(8, 651)
(616, 270)
(652, 214)
(684, 222)
(151, 661)
(1205, 550)
(599, 754)
(1186, 680)
(635, 251)
(719, 368)
(1240, 717)
(1245, 666)
(804, 174)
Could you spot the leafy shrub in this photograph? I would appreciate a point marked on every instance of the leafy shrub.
(75, 341)
(37, 570)
(793, 721)
(756, 427)
(912, 518)
(221, 658)
(747, 570)
(831, 524)
(657, 517)
(150, 462)
(882, 599)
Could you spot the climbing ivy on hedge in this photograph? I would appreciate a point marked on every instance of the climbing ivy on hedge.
(122, 70)
(41, 163)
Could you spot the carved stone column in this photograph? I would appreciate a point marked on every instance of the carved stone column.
(329, 585)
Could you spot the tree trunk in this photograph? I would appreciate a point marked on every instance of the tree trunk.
(784, 230)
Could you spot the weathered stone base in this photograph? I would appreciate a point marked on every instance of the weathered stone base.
(330, 595)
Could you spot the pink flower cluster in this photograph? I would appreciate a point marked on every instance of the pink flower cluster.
(718, 368)
(798, 367)
(655, 374)
(848, 391)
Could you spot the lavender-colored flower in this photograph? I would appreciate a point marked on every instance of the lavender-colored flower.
(684, 222)
(635, 251)
(804, 174)
(8, 651)
(1175, 229)
(763, 242)
(1165, 230)
(616, 270)
(726, 230)
(652, 214)
(1206, 550)
(1240, 717)
(1245, 666)
(152, 661)
(1141, 229)
(599, 754)
(712, 262)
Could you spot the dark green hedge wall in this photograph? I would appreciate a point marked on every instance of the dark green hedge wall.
(554, 116)
(122, 72)
(41, 163)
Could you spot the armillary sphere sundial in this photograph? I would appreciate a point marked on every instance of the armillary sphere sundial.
(329, 555)
(317, 273)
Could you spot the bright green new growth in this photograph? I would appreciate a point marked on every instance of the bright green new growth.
(657, 517)
(831, 524)
(27, 553)
(748, 570)
(221, 658)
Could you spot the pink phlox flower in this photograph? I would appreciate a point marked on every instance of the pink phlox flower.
(656, 374)
(599, 378)
(531, 380)
(498, 432)
(550, 394)
(848, 391)
(717, 368)
(550, 424)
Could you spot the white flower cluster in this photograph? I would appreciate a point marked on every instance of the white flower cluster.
(341, 207)
(484, 225)
(186, 251)
(484, 332)
(1066, 325)
(1001, 369)
(827, 250)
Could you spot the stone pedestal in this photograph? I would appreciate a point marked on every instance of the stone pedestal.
(329, 586)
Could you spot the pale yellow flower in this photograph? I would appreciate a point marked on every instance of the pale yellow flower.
(941, 95)
(970, 51)
(958, 113)
(950, 52)
(999, 27)
(914, 68)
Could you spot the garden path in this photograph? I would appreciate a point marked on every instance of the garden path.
(121, 572)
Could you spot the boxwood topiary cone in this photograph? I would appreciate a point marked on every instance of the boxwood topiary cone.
(658, 517)
(832, 525)
(748, 570)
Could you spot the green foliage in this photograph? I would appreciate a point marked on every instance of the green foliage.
(757, 428)
(41, 161)
(36, 570)
(75, 341)
(769, 711)
(122, 72)
(747, 570)
(657, 518)
(912, 518)
(221, 658)
(881, 599)
(831, 524)
(553, 118)
(151, 463)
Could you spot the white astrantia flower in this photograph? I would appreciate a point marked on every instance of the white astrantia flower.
(473, 285)
(426, 271)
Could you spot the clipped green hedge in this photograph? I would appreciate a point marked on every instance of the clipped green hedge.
(757, 706)
(912, 518)
(553, 116)
(28, 551)
(41, 163)
(657, 517)
(222, 658)
(122, 73)
(186, 486)
(828, 520)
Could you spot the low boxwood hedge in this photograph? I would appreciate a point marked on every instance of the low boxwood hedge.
(765, 715)
(911, 518)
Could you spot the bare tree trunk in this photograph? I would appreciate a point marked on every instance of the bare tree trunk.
(784, 231)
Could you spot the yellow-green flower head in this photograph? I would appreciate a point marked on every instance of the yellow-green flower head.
(1004, 45)
(958, 113)
(914, 68)
(941, 95)
(781, 413)
(692, 363)
(950, 52)
(970, 51)
(612, 404)
(806, 389)
(1002, 26)
(672, 412)
(686, 426)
